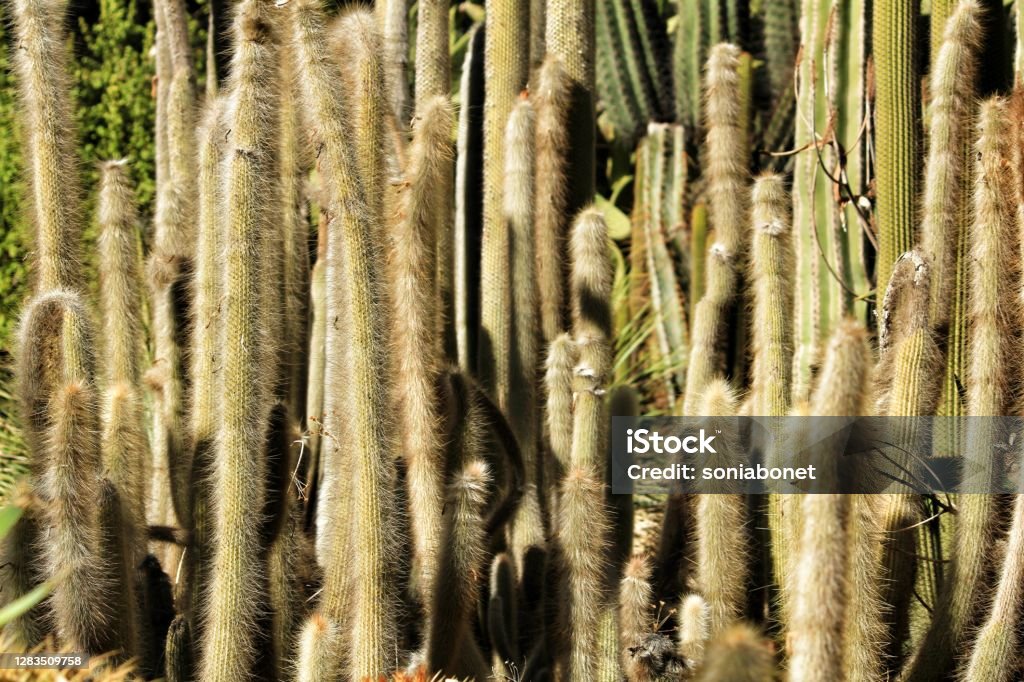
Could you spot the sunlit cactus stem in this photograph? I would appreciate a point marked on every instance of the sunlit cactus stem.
(551, 92)
(569, 36)
(897, 122)
(419, 356)
(994, 306)
(125, 449)
(41, 63)
(727, 177)
(506, 55)
(234, 594)
(354, 263)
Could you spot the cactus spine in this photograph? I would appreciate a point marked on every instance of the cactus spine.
(694, 628)
(57, 371)
(319, 643)
(69, 488)
(433, 66)
(771, 265)
(125, 451)
(950, 113)
(582, 535)
(721, 534)
(994, 653)
(562, 357)
(821, 590)
(239, 467)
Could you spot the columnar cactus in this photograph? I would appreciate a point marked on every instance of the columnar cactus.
(506, 57)
(726, 151)
(354, 268)
(897, 129)
(42, 75)
(233, 596)
(413, 273)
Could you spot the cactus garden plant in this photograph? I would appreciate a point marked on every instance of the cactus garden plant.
(339, 406)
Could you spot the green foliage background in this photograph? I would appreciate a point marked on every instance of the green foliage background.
(112, 77)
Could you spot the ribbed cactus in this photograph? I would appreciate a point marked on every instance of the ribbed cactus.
(771, 263)
(393, 24)
(354, 264)
(238, 487)
(42, 74)
(897, 129)
(205, 344)
(656, 226)
(570, 36)
(506, 57)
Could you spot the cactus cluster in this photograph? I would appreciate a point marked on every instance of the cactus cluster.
(345, 414)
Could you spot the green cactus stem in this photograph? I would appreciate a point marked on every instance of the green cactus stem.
(897, 129)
